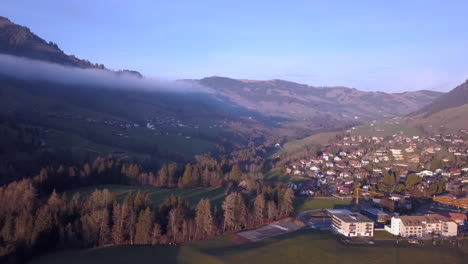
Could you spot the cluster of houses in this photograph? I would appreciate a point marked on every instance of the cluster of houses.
(436, 166)
(159, 125)
(366, 159)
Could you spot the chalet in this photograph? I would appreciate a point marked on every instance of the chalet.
(458, 218)
(413, 158)
(381, 152)
(386, 158)
(409, 149)
(345, 174)
(316, 161)
(396, 152)
(429, 150)
(314, 168)
(455, 172)
(355, 163)
(341, 165)
(299, 172)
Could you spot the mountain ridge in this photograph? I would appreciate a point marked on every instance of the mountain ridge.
(454, 98)
(296, 97)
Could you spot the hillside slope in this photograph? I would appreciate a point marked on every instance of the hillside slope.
(456, 97)
(450, 119)
(20, 41)
(447, 113)
(303, 102)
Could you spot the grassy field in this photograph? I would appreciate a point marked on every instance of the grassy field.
(275, 175)
(318, 139)
(380, 234)
(303, 246)
(303, 204)
(157, 195)
(386, 128)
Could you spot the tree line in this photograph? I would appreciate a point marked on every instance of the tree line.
(31, 223)
(204, 172)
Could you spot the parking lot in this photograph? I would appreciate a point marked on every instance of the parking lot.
(270, 230)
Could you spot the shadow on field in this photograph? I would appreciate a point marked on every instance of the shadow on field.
(252, 246)
(116, 255)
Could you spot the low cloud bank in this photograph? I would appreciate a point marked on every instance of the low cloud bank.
(34, 70)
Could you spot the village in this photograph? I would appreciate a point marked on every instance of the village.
(158, 124)
(408, 186)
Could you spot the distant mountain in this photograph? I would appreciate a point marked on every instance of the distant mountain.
(446, 113)
(304, 102)
(454, 98)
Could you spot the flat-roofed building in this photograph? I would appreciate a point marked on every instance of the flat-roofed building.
(352, 224)
(377, 215)
(420, 225)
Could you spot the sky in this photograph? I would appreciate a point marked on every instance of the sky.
(390, 46)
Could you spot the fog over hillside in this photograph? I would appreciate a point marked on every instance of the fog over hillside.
(34, 70)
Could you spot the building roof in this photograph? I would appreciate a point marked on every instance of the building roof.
(353, 218)
(338, 211)
(419, 220)
(375, 211)
(452, 216)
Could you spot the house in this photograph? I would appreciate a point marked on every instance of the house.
(422, 225)
(352, 224)
(413, 158)
(316, 161)
(355, 163)
(425, 173)
(337, 158)
(396, 152)
(345, 174)
(298, 172)
(429, 150)
(409, 149)
(458, 218)
(381, 152)
(341, 165)
(314, 168)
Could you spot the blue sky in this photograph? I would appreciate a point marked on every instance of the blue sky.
(370, 45)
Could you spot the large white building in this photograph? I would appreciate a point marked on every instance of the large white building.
(352, 224)
(418, 226)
